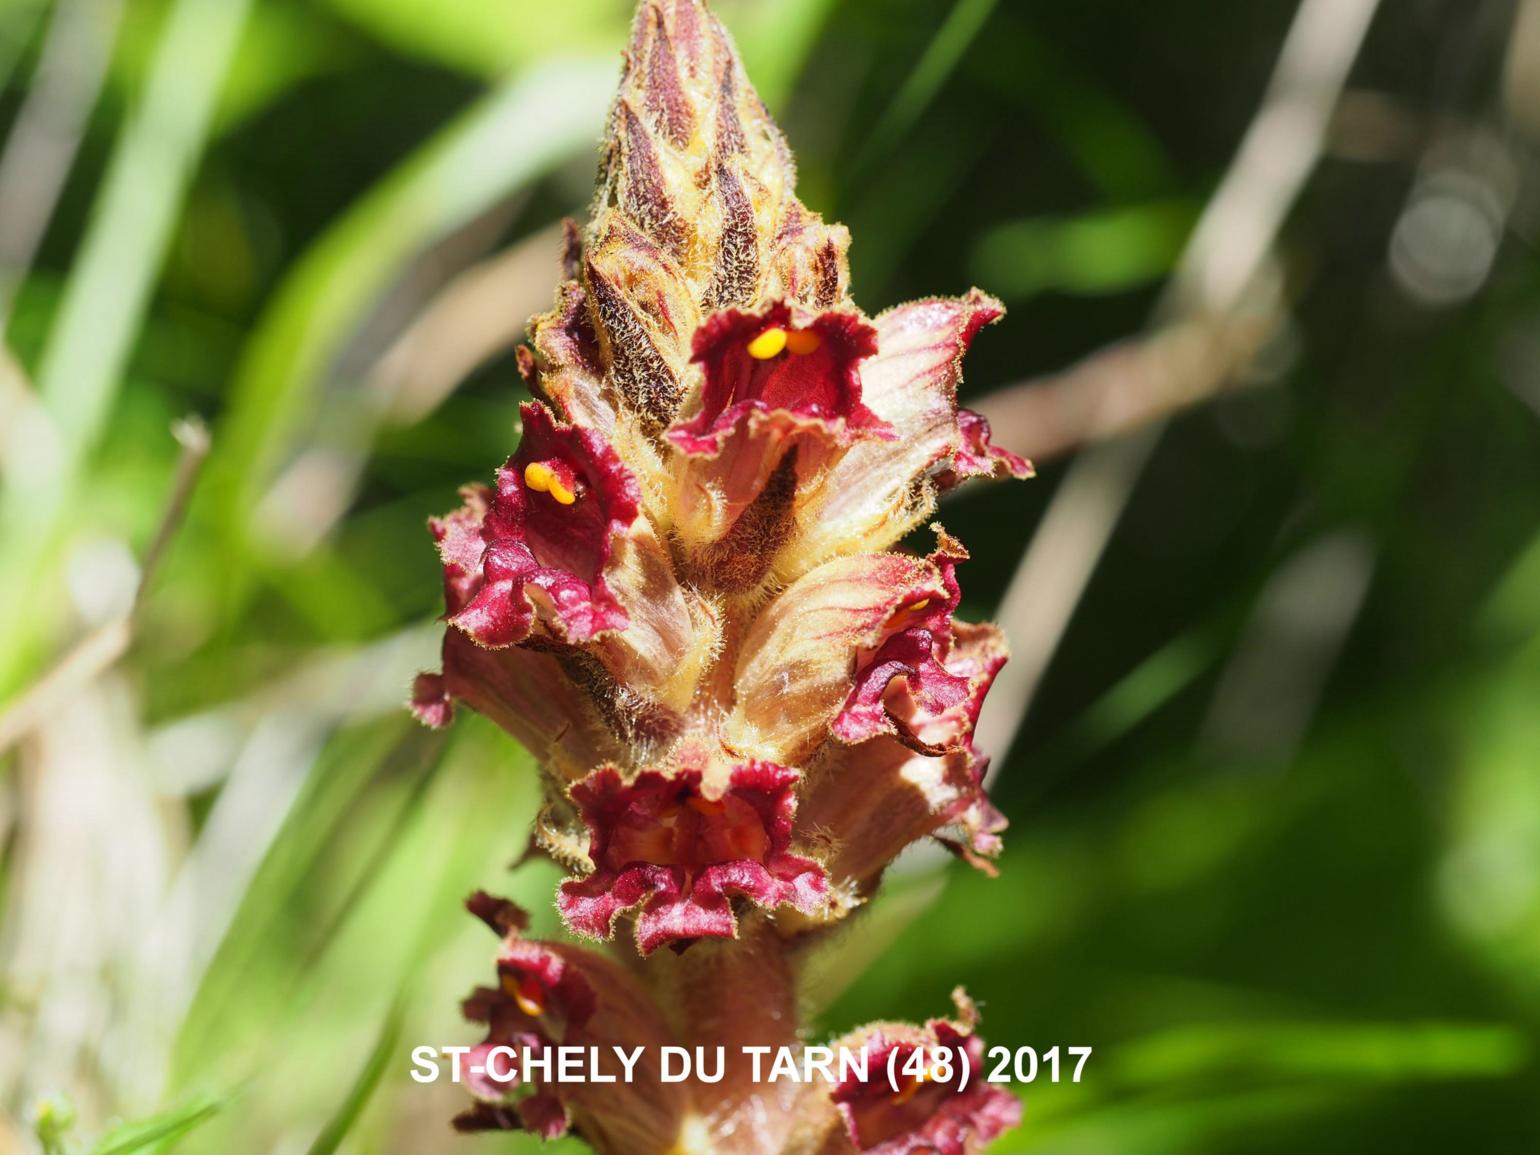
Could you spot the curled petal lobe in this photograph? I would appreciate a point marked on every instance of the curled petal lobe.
(545, 539)
(906, 683)
(664, 844)
(925, 684)
(932, 1112)
(880, 490)
(799, 661)
(978, 456)
(431, 701)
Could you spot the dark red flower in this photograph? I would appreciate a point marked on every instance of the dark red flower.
(931, 1113)
(776, 383)
(539, 547)
(918, 685)
(550, 994)
(663, 843)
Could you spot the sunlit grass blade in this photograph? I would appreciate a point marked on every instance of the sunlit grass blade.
(509, 139)
(1274, 1052)
(158, 1131)
(105, 301)
(339, 1125)
(946, 48)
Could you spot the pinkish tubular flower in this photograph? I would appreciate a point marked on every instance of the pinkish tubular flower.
(555, 994)
(543, 543)
(880, 490)
(662, 844)
(931, 1112)
(781, 387)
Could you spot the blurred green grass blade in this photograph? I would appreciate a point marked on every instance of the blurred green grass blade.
(1165, 1128)
(774, 40)
(340, 1125)
(151, 166)
(1166, 1091)
(1106, 136)
(106, 298)
(19, 20)
(1107, 251)
(398, 749)
(158, 1131)
(935, 67)
(300, 1000)
(506, 141)
(1270, 1052)
(488, 37)
(493, 37)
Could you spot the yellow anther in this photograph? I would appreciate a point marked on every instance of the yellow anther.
(706, 805)
(803, 341)
(538, 476)
(543, 479)
(918, 606)
(768, 344)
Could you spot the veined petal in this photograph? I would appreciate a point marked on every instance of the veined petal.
(799, 661)
(545, 538)
(782, 388)
(925, 684)
(664, 844)
(935, 1113)
(906, 683)
(528, 694)
(922, 796)
(880, 490)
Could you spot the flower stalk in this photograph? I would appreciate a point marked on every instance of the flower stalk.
(685, 593)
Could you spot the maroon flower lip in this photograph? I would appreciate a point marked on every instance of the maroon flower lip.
(540, 997)
(918, 684)
(978, 456)
(538, 547)
(659, 843)
(934, 1113)
(766, 363)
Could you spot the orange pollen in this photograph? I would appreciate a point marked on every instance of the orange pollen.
(706, 805)
(801, 342)
(527, 994)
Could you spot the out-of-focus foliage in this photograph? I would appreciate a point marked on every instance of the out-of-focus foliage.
(1275, 844)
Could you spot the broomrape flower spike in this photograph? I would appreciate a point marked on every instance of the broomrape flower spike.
(685, 594)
